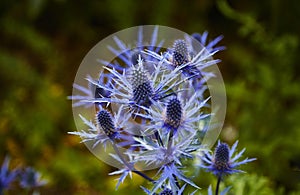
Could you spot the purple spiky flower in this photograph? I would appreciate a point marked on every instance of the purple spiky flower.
(105, 121)
(173, 114)
(6, 176)
(223, 161)
(166, 192)
(180, 52)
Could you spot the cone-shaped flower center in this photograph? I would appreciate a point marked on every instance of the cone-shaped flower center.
(173, 113)
(166, 192)
(222, 156)
(106, 123)
(142, 89)
(180, 52)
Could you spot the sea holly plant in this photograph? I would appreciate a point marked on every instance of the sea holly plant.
(223, 161)
(27, 178)
(158, 103)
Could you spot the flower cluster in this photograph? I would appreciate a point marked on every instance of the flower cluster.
(28, 177)
(152, 110)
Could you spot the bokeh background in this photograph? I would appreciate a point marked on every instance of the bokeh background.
(42, 43)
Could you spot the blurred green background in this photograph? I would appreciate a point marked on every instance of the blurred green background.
(44, 41)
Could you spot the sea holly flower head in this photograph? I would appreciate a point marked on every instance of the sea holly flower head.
(180, 53)
(7, 176)
(222, 156)
(190, 62)
(223, 161)
(30, 178)
(26, 178)
(141, 85)
(179, 114)
(173, 114)
(136, 87)
(106, 127)
(105, 121)
(166, 192)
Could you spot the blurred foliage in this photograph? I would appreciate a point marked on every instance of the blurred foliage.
(252, 184)
(43, 43)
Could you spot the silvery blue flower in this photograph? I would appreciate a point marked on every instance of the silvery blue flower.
(105, 129)
(170, 176)
(30, 178)
(184, 57)
(224, 160)
(7, 176)
(179, 114)
(162, 110)
(136, 86)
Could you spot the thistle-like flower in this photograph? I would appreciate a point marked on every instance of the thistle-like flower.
(166, 192)
(182, 56)
(179, 114)
(190, 61)
(105, 121)
(139, 88)
(223, 161)
(6, 176)
(173, 116)
(30, 178)
(180, 53)
(160, 119)
(127, 56)
(107, 128)
(142, 88)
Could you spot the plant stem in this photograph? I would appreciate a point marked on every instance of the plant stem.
(144, 176)
(169, 147)
(170, 141)
(157, 136)
(218, 184)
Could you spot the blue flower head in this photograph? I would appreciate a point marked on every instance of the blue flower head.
(105, 121)
(106, 128)
(30, 178)
(6, 176)
(180, 52)
(222, 161)
(166, 192)
(141, 85)
(173, 114)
